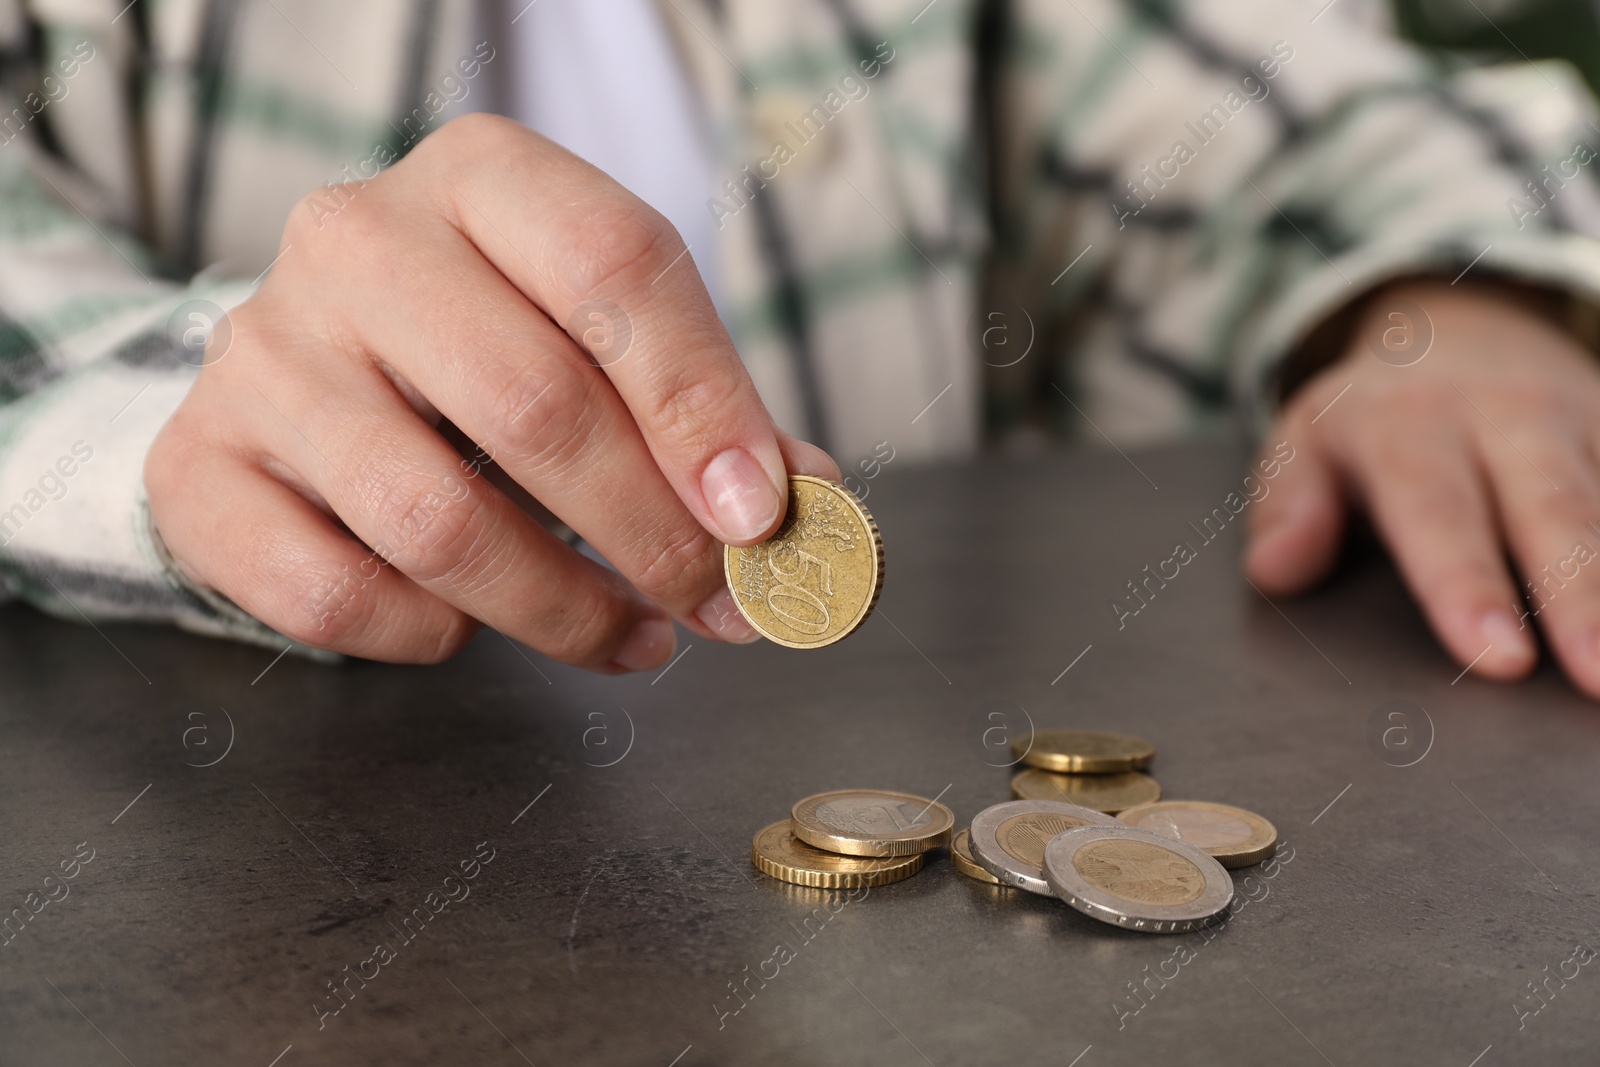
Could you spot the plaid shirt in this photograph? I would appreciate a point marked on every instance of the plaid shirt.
(944, 222)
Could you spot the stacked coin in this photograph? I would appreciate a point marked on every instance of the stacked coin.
(1157, 869)
(1234, 836)
(1089, 768)
(851, 838)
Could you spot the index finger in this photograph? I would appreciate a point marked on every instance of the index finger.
(589, 254)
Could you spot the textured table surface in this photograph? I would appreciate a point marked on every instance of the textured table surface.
(619, 911)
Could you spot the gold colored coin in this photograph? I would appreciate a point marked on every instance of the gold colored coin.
(1083, 751)
(961, 859)
(1024, 836)
(1109, 793)
(777, 852)
(815, 580)
(872, 822)
(1139, 872)
(1236, 837)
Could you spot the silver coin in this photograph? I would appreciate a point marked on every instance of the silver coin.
(1008, 839)
(1137, 879)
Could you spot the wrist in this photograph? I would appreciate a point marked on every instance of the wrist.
(1398, 321)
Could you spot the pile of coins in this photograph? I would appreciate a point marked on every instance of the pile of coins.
(852, 838)
(1085, 767)
(1159, 867)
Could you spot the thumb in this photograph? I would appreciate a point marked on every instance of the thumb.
(1295, 531)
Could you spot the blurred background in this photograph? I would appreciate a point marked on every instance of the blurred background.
(1496, 30)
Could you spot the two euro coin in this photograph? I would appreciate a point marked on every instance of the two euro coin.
(1119, 874)
(1008, 840)
(1137, 879)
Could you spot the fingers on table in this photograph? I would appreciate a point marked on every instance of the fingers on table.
(1295, 530)
(1548, 488)
(1433, 506)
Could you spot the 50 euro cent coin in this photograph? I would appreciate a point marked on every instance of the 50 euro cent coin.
(817, 579)
(775, 851)
(961, 859)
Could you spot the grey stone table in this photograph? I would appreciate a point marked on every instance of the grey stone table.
(555, 865)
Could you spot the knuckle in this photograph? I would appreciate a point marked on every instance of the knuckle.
(168, 460)
(448, 639)
(303, 222)
(338, 219)
(431, 528)
(677, 397)
(321, 605)
(463, 138)
(248, 321)
(313, 211)
(219, 380)
(1533, 397)
(584, 629)
(343, 608)
(544, 417)
(1384, 452)
(1391, 454)
(675, 570)
(1420, 397)
(432, 634)
(1565, 512)
(256, 347)
(617, 248)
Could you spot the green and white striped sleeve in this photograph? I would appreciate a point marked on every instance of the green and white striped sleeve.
(88, 374)
(1244, 170)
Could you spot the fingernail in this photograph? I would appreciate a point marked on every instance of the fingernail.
(1501, 632)
(742, 498)
(721, 616)
(649, 645)
(1264, 534)
(1288, 513)
(1261, 547)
